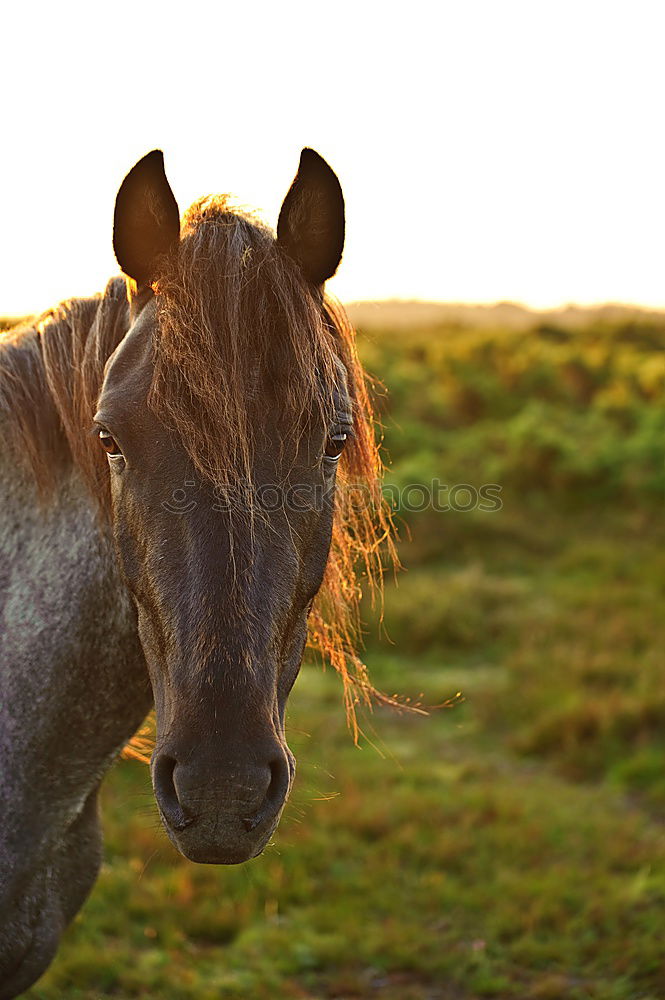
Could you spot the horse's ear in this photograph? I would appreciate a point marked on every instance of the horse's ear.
(146, 222)
(311, 222)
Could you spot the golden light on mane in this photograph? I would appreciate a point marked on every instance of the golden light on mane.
(362, 541)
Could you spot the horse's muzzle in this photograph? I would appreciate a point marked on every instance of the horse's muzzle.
(221, 811)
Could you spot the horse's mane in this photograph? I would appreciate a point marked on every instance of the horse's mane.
(236, 318)
(51, 371)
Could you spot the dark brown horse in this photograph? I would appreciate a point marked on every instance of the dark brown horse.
(168, 475)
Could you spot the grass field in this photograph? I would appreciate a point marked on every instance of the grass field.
(512, 845)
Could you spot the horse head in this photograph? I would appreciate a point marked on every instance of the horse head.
(223, 414)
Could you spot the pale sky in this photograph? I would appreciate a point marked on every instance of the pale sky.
(488, 149)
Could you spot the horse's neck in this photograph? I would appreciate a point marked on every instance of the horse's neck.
(73, 683)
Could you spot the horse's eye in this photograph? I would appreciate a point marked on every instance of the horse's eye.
(335, 446)
(109, 443)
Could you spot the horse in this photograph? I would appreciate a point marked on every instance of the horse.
(175, 452)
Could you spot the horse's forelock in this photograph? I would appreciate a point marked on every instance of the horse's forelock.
(235, 314)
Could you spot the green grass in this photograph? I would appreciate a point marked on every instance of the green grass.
(510, 846)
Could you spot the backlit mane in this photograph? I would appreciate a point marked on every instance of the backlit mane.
(236, 317)
(51, 372)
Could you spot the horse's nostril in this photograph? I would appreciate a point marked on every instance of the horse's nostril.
(280, 776)
(166, 794)
(208, 795)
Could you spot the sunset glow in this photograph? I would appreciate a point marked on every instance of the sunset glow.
(487, 151)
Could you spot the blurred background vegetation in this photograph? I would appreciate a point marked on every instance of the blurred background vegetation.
(511, 845)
